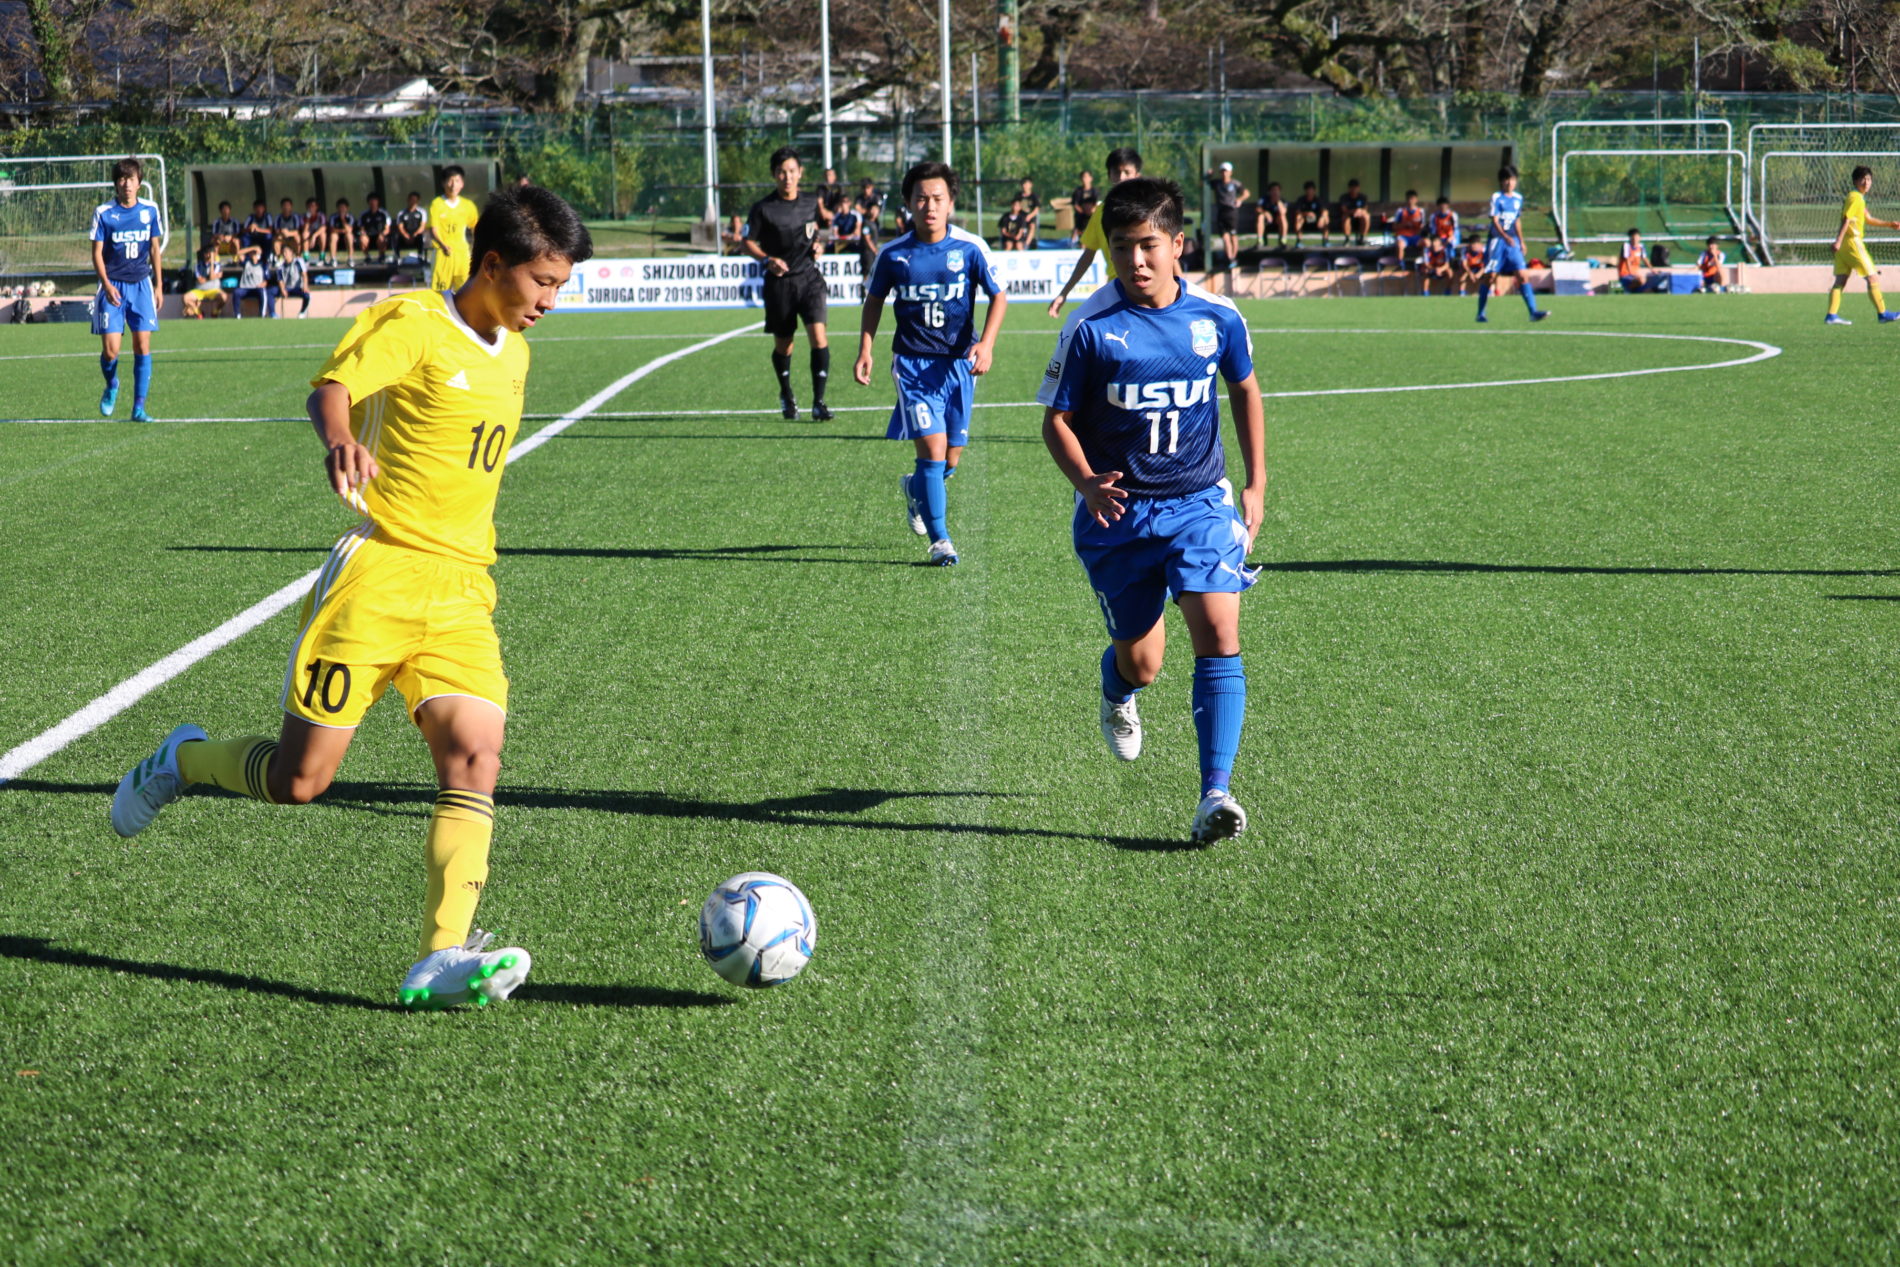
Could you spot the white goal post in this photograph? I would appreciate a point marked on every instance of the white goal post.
(1693, 200)
(1638, 134)
(46, 206)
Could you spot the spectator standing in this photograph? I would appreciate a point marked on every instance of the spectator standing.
(207, 275)
(833, 199)
(1355, 219)
(1083, 200)
(411, 223)
(1228, 195)
(1310, 213)
(287, 280)
(1270, 213)
(870, 206)
(1032, 214)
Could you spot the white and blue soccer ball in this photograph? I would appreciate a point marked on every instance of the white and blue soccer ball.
(757, 930)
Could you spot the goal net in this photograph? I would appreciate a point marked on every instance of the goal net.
(1624, 135)
(1672, 195)
(1798, 206)
(46, 207)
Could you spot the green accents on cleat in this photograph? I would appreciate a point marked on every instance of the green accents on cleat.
(479, 999)
(509, 961)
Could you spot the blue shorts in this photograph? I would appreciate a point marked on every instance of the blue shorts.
(1503, 257)
(934, 395)
(138, 312)
(1162, 547)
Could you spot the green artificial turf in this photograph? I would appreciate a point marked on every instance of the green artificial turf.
(1564, 931)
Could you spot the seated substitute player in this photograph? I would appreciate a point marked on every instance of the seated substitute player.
(289, 224)
(372, 229)
(1709, 266)
(287, 280)
(1850, 250)
(258, 231)
(933, 272)
(1355, 218)
(1435, 266)
(1471, 266)
(451, 219)
(224, 232)
(252, 283)
(1444, 225)
(782, 234)
(316, 229)
(1630, 263)
(1122, 164)
(1504, 250)
(1310, 213)
(127, 234)
(208, 288)
(406, 597)
(1408, 227)
(1013, 226)
(1270, 214)
(411, 231)
(343, 231)
(1134, 423)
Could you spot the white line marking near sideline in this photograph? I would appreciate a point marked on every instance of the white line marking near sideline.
(305, 347)
(19, 760)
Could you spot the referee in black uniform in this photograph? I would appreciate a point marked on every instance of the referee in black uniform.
(782, 234)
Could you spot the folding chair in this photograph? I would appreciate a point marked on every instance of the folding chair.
(1391, 267)
(1308, 266)
(1348, 268)
(1270, 275)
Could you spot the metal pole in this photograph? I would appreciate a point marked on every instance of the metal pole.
(943, 70)
(824, 58)
(712, 144)
(976, 141)
(1226, 110)
(1008, 71)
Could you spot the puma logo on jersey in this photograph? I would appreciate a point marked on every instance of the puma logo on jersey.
(1176, 394)
(460, 380)
(1121, 338)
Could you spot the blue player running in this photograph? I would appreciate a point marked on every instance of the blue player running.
(1134, 422)
(1504, 252)
(126, 236)
(934, 271)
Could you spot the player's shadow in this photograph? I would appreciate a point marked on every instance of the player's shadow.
(1550, 569)
(1865, 598)
(690, 554)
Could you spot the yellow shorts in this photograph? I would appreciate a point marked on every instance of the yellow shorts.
(1853, 259)
(381, 614)
(449, 270)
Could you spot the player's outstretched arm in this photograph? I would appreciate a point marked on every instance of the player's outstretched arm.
(984, 350)
(1250, 431)
(1099, 494)
(347, 463)
(1075, 278)
(867, 335)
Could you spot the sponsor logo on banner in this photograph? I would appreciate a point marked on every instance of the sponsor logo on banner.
(736, 281)
(1206, 337)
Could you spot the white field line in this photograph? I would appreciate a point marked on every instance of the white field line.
(305, 347)
(1763, 352)
(19, 760)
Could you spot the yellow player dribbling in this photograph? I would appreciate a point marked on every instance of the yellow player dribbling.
(417, 408)
(1850, 250)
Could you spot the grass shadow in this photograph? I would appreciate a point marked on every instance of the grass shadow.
(578, 995)
(1550, 569)
(40, 950)
(1865, 598)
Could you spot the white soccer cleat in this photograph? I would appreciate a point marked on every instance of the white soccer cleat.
(469, 973)
(1121, 727)
(942, 554)
(912, 507)
(152, 784)
(1218, 817)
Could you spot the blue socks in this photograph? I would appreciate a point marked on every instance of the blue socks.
(927, 487)
(1115, 687)
(1530, 297)
(141, 378)
(109, 366)
(1220, 707)
(948, 471)
(1484, 296)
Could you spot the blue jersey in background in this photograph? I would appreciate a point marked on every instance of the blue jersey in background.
(129, 234)
(1505, 210)
(1140, 385)
(934, 286)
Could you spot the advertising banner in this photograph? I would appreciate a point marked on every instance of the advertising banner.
(735, 281)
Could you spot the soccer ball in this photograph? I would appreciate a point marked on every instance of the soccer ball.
(757, 930)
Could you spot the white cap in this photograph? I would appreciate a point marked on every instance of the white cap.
(1227, 167)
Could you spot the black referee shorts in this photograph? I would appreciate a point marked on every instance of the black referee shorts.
(792, 297)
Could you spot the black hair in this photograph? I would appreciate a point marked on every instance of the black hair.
(1125, 156)
(1632, 233)
(454, 169)
(780, 155)
(374, 194)
(1144, 200)
(1506, 172)
(1861, 173)
(930, 171)
(524, 224)
(1310, 185)
(291, 201)
(1711, 241)
(223, 205)
(1411, 193)
(1352, 182)
(128, 166)
(413, 194)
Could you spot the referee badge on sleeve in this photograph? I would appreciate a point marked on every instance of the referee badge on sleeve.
(1206, 337)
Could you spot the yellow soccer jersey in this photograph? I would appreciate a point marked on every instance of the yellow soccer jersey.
(1094, 238)
(1854, 211)
(438, 406)
(454, 224)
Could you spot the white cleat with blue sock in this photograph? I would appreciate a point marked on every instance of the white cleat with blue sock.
(942, 554)
(1121, 727)
(1218, 817)
(912, 506)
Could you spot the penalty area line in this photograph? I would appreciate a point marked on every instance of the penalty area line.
(18, 760)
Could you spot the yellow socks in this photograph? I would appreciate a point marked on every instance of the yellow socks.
(1873, 293)
(457, 854)
(236, 765)
(1834, 302)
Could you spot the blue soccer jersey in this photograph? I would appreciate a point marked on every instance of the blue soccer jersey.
(1505, 210)
(129, 234)
(1139, 385)
(935, 288)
